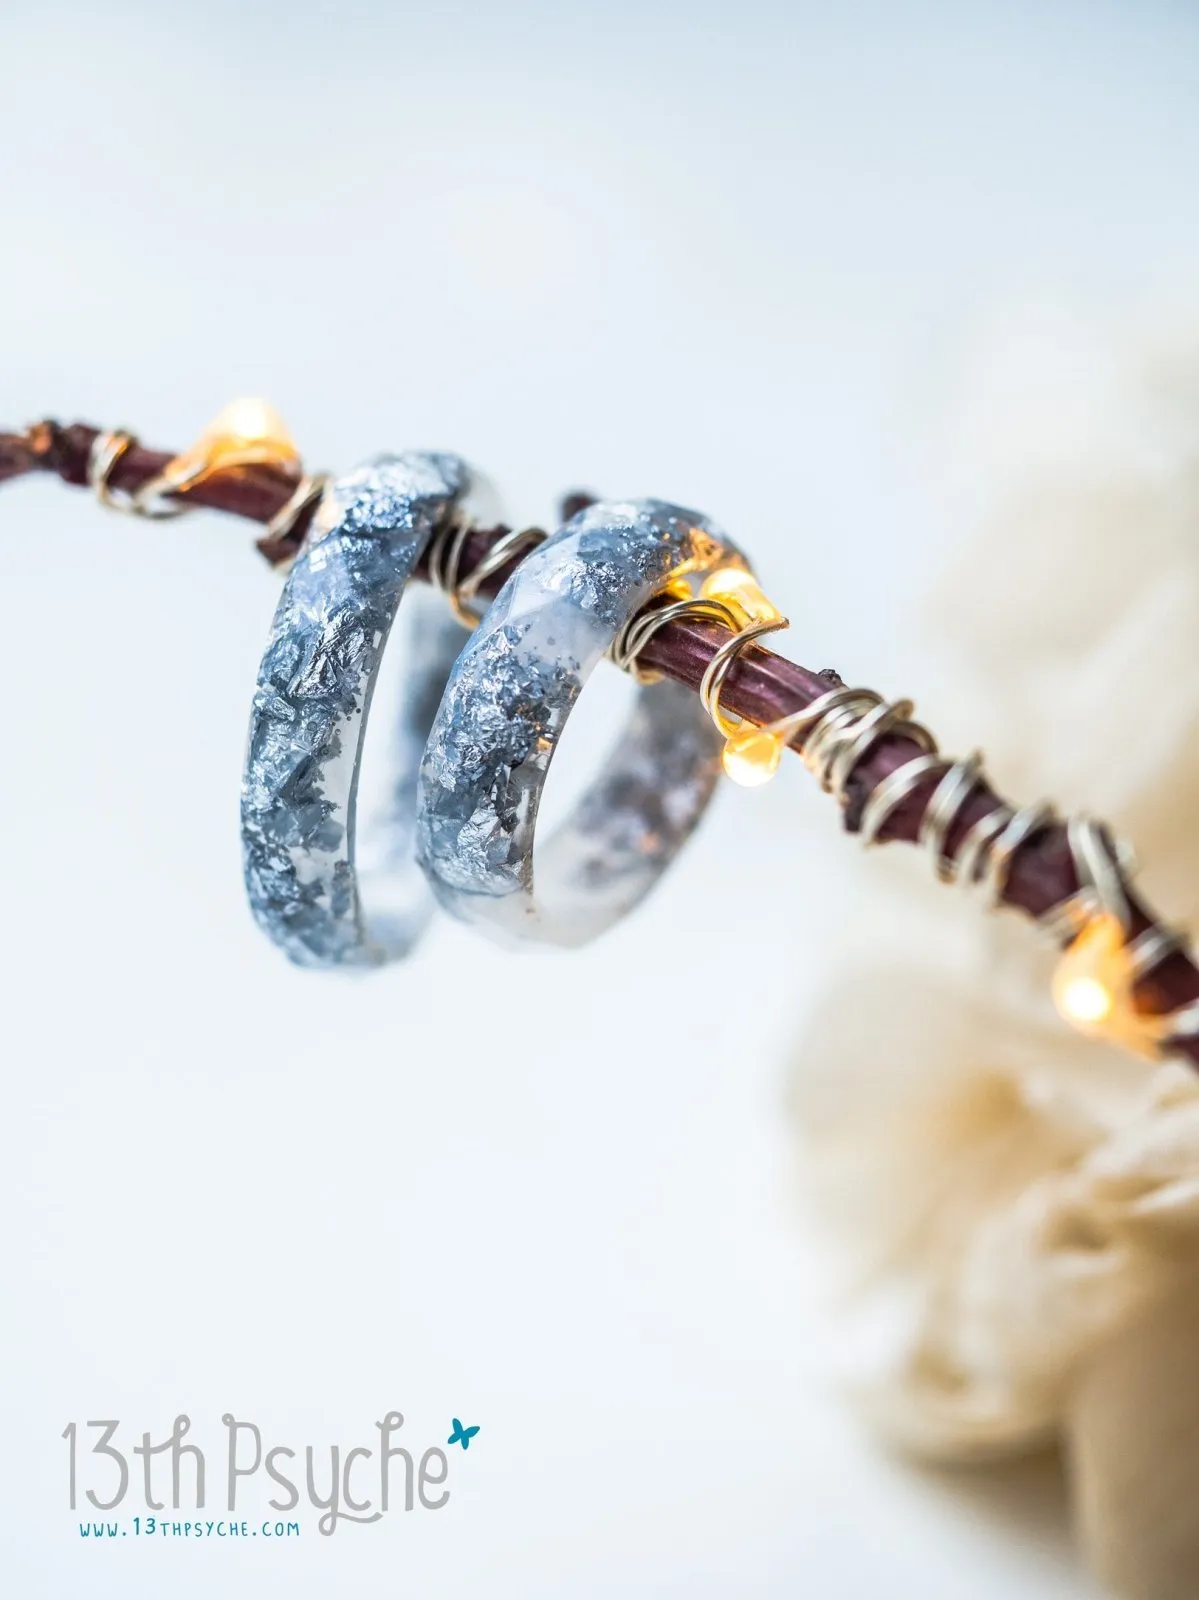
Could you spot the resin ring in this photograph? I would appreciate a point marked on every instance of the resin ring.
(307, 886)
(502, 714)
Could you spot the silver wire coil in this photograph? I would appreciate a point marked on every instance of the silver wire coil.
(305, 495)
(957, 784)
(842, 727)
(446, 552)
(1102, 864)
(723, 661)
(105, 451)
(641, 628)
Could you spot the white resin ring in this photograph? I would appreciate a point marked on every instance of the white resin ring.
(506, 702)
(305, 882)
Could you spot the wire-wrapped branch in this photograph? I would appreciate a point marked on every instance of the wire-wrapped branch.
(1040, 873)
(255, 492)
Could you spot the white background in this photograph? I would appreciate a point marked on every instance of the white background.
(728, 255)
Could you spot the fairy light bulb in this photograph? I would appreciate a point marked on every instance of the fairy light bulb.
(1093, 984)
(247, 432)
(739, 591)
(751, 756)
(1085, 1002)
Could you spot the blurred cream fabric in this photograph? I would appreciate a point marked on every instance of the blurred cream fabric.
(1020, 1207)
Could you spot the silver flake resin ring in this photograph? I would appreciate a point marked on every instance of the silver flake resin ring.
(307, 877)
(502, 714)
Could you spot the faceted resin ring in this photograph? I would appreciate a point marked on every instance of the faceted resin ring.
(506, 702)
(306, 883)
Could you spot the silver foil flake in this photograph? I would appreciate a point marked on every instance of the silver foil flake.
(309, 718)
(502, 714)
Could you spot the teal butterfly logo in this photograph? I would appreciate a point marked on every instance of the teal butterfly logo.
(461, 1435)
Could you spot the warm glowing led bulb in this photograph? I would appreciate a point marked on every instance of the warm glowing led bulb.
(739, 591)
(1092, 975)
(251, 430)
(245, 432)
(1093, 984)
(751, 756)
(1085, 1001)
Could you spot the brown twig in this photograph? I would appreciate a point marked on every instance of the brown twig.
(762, 686)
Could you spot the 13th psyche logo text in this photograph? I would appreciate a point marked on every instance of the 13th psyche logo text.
(237, 1474)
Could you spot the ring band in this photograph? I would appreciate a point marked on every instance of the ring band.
(309, 720)
(504, 708)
